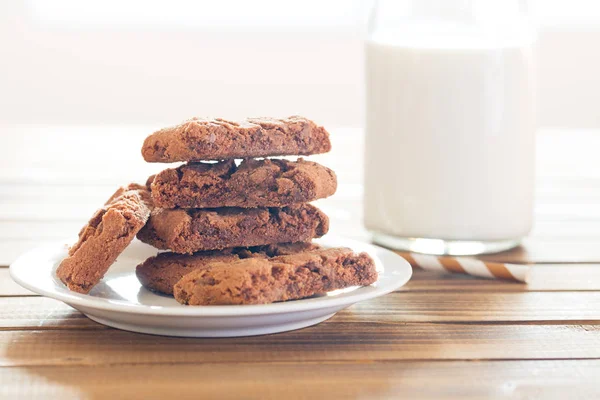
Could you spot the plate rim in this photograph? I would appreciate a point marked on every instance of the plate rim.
(360, 294)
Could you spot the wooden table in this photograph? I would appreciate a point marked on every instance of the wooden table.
(440, 336)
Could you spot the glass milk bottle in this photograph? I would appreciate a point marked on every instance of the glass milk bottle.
(449, 166)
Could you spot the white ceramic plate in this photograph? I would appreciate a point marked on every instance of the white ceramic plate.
(121, 302)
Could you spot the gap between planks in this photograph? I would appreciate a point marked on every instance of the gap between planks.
(92, 326)
(253, 364)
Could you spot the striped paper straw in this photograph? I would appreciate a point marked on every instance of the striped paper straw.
(469, 266)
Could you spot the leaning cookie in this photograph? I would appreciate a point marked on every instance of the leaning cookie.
(105, 236)
(161, 272)
(282, 278)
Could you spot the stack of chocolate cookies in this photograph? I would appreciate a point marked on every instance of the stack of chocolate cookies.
(239, 232)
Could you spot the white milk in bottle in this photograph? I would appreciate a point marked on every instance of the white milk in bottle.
(449, 134)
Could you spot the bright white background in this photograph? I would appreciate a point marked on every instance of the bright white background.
(117, 62)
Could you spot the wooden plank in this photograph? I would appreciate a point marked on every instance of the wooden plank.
(544, 277)
(567, 230)
(389, 380)
(534, 250)
(551, 250)
(58, 225)
(395, 308)
(336, 340)
(40, 313)
(9, 288)
(11, 249)
(485, 306)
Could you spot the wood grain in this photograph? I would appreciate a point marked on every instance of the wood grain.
(344, 338)
(291, 380)
(398, 307)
